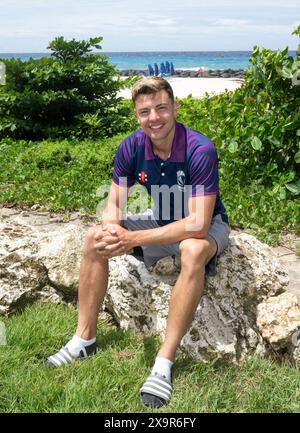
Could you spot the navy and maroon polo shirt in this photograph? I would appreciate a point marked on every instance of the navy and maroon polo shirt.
(193, 161)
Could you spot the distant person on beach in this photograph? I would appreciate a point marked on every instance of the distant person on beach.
(201, 70)
(163, 156)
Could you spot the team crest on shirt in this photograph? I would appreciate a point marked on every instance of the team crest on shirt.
(181, 180)
(143, 177)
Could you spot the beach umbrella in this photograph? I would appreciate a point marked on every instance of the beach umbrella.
(156, 70)
(162, 68)
(172, 69)
(151, 71)
(167, 67)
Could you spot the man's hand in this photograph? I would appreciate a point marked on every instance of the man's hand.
(112, 240)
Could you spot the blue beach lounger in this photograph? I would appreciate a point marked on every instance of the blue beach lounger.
(151, 71)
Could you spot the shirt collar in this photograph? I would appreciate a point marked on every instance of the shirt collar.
(178, 145)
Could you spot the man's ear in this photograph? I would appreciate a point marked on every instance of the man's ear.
(176, 107)
(135, 113)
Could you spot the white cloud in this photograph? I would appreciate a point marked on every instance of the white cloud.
(131, 25)
(158, 22)
(227, 22)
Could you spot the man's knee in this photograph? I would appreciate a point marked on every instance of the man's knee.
(195, 252)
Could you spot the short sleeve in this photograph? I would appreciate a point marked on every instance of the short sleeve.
(203, 170)
(124, 164)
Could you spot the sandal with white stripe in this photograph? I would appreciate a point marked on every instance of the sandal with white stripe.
(156, 391)
(63, 356)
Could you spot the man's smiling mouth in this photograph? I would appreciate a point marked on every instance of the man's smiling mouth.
(156, 127)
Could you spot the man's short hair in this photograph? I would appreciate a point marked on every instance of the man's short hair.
(151, 85)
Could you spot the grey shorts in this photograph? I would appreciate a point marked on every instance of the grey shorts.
(219, 231)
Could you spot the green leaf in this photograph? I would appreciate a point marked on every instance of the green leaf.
(296, 31)
(282, 193)
(297, 157)
(233, 146)
(294, 187)
(285, 51)
(286, 72)
(274, 141)
(256, 143)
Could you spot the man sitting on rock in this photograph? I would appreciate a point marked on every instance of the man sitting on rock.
(163, 156)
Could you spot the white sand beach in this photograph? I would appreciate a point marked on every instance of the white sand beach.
(197, 87)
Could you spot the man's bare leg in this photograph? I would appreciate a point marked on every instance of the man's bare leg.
(93, 280)
(187, 292)
(185, 297)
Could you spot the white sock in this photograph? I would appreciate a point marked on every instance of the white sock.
(162, 366)
(77, 343)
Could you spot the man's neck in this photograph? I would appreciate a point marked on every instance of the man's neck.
(163, 148)
(163, 154)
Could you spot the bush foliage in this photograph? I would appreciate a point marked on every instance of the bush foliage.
(257, 128)
(71, 94)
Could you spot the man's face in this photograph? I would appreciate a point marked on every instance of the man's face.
(156, 114)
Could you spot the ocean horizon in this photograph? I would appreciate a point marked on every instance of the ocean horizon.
(181, 59)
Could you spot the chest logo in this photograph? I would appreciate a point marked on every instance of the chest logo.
(181, 180)
(143, 177)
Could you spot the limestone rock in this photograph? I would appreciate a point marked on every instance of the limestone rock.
(21, 279)
(278, 319)
(35, 261)
(60, 252)
(225, 321)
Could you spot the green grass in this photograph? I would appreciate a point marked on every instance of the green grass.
(61, 175)
(110, 381)
(257, 211)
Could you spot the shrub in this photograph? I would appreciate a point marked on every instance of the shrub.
(257, 128)
(71, 94)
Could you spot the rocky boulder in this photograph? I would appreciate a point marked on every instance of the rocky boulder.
(225, 321)
(38, 262)
(278, 319)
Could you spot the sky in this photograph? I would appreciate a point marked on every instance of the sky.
(147, 25)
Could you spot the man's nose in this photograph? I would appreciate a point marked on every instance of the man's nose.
(153, 115)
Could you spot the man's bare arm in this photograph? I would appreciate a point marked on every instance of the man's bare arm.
(116, 202)
(195, 225)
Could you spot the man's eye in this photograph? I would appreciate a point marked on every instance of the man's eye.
(162, 108)
(143, 113)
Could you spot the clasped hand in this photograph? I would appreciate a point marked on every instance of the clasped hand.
(112, 240)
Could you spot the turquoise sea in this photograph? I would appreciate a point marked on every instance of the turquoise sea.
(180, 59)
